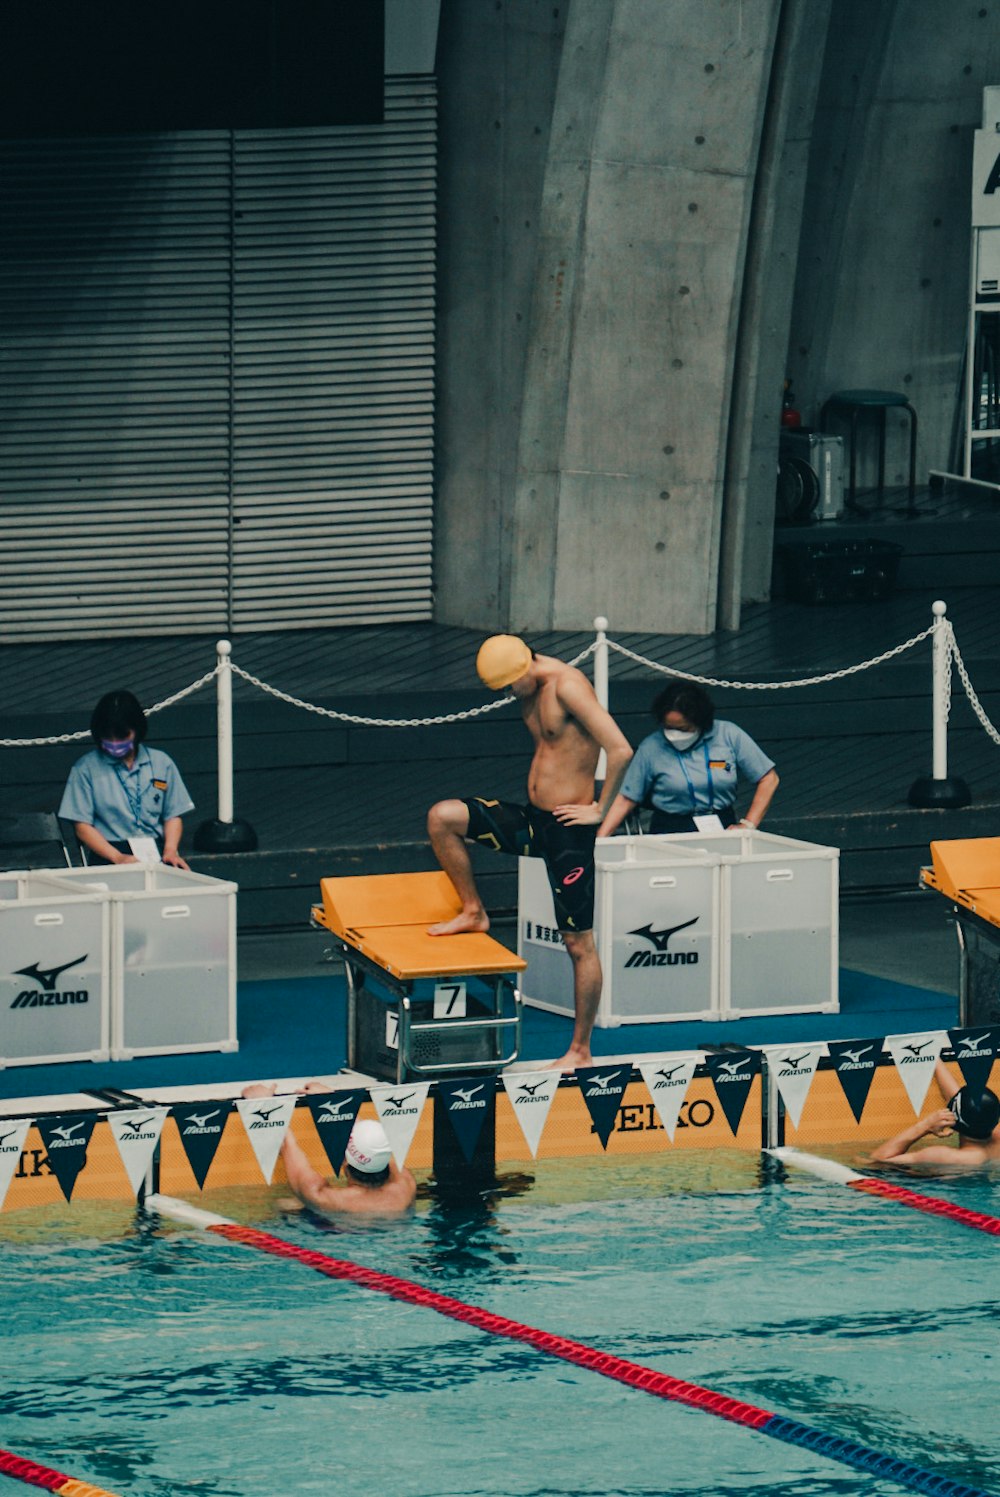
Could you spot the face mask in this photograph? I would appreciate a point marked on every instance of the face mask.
(117, 748)
(679, 739)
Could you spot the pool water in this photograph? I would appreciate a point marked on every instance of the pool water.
(155, 1361)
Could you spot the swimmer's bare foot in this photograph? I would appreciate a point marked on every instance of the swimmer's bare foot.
(576, 1055)
(466, 920)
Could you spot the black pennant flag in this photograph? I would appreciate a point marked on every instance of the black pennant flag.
(855, 1062)
(66, 1138)
(732, 1073)
(975, 1050)
(467, 1101)
(200, 1126)
(334, 1114)
(602, 1088)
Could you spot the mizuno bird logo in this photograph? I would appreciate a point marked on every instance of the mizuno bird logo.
(201, 1120)
(398, 1101)
(136, 1125)
(973, 1041)
(855, 1055)
(468, 1094)
(65, 1130)
(333, 1109)
(265, 1112)
(48, 976)
(531, 1090)
(4, 1136)
(794, 1060)
(604, 1081)
(916, 1049)
(672, 1072)
(659, 938)
(732, 1066)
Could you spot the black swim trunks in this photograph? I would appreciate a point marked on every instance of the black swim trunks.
(527, 832)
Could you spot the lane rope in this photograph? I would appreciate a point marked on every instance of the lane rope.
(634, 1374)
(826, 1169)
(44, 1476)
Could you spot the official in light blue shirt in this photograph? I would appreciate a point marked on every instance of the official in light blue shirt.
(692, 765)
(122, 789)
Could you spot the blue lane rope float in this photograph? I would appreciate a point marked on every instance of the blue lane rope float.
(634, 1374)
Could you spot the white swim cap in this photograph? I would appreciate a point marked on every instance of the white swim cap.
(368, 1148)
(502, 659)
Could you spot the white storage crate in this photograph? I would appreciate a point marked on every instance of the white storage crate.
(780, 930)
(173, 957)
(656, 924)
(54, 981)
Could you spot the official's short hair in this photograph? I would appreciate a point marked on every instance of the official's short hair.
(117, 715)
(689, 700)
(361, 1178)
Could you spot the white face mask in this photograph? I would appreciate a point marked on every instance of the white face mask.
(679, 739)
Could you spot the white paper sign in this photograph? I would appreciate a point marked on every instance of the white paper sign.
(12, 1136)
(145, 849)
(708, 823)
(915, 1056)
(399, 1109)
(793, 1068)
(667, 1082)
(266, 1120)
(530, 1094)
(137, 1132)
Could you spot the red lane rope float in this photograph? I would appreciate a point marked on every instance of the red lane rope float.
(44, 1476)
(632, 1373)
(930, 1204)
(790, 1431)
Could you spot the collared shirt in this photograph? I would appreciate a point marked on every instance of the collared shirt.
(120, 802)
(702, 779)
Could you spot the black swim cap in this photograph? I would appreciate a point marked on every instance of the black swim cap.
(976, 1112)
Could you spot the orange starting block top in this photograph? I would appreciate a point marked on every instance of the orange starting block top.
(967, 871)
(385, 917)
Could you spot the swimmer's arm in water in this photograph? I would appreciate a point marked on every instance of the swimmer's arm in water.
(894, 1150)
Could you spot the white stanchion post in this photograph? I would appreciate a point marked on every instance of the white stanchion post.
(225, 833)
(224, 728)
(601, 681)
(940, 790)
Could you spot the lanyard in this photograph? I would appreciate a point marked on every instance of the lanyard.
(708, 777)
(132, 796)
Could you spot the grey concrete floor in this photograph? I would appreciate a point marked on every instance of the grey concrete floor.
(904, 938)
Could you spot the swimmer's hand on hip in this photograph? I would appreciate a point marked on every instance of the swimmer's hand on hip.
(587, 815)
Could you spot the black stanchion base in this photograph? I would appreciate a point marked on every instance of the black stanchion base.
(225, 836)
(948, 794)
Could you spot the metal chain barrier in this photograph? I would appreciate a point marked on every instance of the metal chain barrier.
(388, 722)
(963, 675)
(84, 734)
(850, 670)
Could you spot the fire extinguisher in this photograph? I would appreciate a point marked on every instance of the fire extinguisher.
(790, 416)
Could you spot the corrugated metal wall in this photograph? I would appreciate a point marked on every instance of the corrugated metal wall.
(216, 385)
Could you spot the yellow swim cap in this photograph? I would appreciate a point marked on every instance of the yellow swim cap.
(502, 658)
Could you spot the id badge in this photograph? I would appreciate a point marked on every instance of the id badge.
(708, 823)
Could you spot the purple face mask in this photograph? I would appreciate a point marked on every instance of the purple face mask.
(117, 748)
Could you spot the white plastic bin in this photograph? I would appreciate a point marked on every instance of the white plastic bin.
(656, 925)
(780, 931)
(54, 972)
(173, 957)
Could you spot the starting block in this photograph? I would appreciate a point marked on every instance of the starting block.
(418, 1005)
(967, 873)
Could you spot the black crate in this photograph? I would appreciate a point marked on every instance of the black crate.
(839, 571)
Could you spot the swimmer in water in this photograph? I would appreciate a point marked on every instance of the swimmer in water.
(973, 1113)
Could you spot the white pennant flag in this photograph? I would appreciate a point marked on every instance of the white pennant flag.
(667, 1082)
(530, 1094)
(137, 1132)
(793, 1068)
(13, 1132)
(266, 1120)
(915, 1056)
(399, 1109)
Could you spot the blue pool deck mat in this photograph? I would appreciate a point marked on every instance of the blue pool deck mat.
(297, 1027)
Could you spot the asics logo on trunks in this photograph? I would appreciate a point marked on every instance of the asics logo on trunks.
(572, 876)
